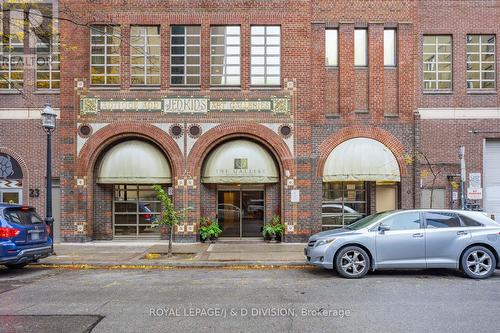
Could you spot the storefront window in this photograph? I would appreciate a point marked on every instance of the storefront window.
(135, 209)
(343, 203)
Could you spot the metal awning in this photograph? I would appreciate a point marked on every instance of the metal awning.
(134, 162)
(361, 159)
(240, 161)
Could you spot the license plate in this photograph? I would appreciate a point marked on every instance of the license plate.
(35, 236)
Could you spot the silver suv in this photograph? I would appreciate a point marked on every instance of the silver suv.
(410, 239)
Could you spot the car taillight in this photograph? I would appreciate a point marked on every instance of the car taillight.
(147, 216)
(9, 232)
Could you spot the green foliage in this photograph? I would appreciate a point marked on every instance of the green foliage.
(169, 216)
(274, 227)
(209, 228)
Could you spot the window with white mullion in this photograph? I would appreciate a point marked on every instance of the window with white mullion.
(185, 54)
(437, 63)
(145, 55)
(265, 56)
(225, 55)
(105, 55)
(11, 61)
(48, 64)
(481, 62)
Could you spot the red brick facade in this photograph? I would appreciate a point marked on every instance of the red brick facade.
(327, 105)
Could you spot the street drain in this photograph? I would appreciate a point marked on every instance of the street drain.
(49, 323)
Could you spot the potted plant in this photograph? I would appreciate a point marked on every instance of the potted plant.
(209, 229)
(273, 229)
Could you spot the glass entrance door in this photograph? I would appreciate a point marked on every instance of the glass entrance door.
(240, 212)
(252, 208)
(228, 213)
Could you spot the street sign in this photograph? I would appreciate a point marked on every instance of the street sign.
(475, 180)
(474, 193)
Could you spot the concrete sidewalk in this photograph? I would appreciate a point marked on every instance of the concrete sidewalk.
(220, 254)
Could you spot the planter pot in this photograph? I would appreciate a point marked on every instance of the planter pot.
(268, 238)
(213, 239)
(203, 240)
(278, 238)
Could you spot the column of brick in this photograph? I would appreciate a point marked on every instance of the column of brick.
(376, 71)
(165, 56)
(205, 56)
(346, 68)
(318, 105)
(406, 84)
(125, 56)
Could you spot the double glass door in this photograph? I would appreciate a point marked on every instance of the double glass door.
(240, 212)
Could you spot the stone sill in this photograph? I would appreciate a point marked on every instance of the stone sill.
(438, 92)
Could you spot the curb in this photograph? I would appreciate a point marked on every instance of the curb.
(173, 265)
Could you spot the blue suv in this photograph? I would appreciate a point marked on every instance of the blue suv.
(24, 236)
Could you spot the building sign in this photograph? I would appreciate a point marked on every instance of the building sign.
(241, 163)
(183, 105)
(295, 195)
(474, 193)
(130, 106)
(240, 105)
(475, 180)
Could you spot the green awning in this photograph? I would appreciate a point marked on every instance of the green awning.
(134, 162)
(240, 161)
(361, 159)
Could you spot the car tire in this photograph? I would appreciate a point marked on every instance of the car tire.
(478, 262)
(16, 266)
(352, 262)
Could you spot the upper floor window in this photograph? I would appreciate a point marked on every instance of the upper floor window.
(390, 47)
(266, 51)
(185, 55)
(12, 51)
(225, 55)
(331, 47)
(48, 71)
(105, 55)
(145, 55)
(437, 61)
(360, 48)
(481, 61)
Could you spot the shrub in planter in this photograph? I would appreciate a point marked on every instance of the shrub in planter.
(209, 229)
(273, 229)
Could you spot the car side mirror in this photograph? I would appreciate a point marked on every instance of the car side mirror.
(383, 228)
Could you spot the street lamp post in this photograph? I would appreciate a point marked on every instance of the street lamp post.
(49, 125)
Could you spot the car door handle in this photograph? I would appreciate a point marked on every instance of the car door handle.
(460, 233)
(418, 235)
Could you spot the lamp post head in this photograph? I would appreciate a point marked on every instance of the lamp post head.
(48, 118)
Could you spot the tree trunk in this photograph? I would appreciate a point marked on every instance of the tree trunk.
(432, 190)
(171, 235)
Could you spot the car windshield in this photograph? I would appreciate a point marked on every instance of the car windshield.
(367, 220)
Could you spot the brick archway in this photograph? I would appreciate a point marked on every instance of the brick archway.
(381, 135)
(265, 136)
(101, 140)
(110, 134)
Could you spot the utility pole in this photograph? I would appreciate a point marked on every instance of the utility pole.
(461, 156)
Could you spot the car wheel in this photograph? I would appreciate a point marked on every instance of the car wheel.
(16, 266)
(478, 262)
(352, 262)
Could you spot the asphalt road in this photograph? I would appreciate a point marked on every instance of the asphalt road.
(223, 300)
